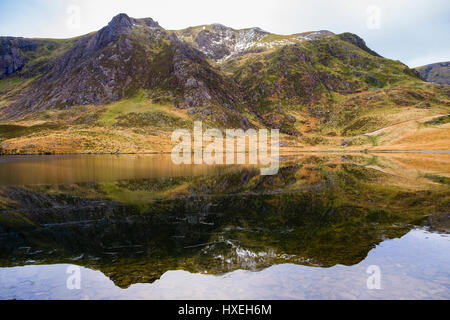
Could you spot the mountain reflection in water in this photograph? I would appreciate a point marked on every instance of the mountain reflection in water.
(136, 218)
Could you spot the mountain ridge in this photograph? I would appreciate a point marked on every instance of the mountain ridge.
(212, 43)
(436, 72)
(313, 83)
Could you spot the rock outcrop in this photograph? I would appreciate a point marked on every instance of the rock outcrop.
(12, 57)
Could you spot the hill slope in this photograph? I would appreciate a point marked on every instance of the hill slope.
(127, 86)
(437, 72)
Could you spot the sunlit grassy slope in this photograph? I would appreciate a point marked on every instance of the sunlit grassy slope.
(382, 119)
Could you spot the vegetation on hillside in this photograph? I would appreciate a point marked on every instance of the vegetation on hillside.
(134, 81)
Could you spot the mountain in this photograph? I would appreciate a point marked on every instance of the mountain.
(437, 72)
(127, 86)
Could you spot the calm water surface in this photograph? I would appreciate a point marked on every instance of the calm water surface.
(139, 227)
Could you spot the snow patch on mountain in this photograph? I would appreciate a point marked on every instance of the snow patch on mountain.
(221, 43)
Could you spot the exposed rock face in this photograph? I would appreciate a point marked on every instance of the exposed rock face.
(202, 85)
(315, 35)
(357, 41)
(120, 24)
(220, 42)
(12, 58)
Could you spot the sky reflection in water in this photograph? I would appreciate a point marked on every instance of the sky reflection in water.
(413, 267)
(310, 232)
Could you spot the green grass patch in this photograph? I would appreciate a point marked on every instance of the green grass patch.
(150, 119)
(137, 104)
(8, 84)
(9, 131)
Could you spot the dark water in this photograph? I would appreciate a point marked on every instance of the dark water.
(139, 227)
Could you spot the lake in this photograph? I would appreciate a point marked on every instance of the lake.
(327, 226)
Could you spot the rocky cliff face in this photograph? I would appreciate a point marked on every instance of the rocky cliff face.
(357, 41)
(221, 43)
(12, 56)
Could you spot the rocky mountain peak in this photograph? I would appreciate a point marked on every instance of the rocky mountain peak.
(121, 24)
(121, 20)
(149, 22)
(219, 27)
(220, 42)
(357, 41)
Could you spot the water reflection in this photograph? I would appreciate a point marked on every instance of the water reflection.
(28, 170)
(413, 267)
(136, 218)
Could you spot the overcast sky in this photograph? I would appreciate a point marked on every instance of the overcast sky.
(417, 32)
